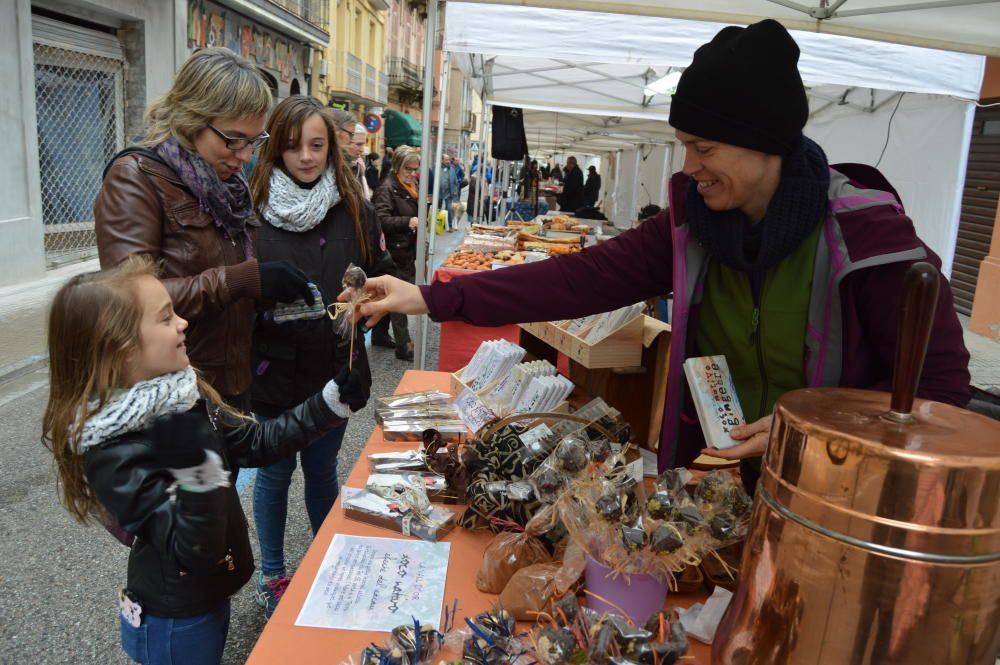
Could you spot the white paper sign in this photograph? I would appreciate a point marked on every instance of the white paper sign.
(377, 584)
(473, 412)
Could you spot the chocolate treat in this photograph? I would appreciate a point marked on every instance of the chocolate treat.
(566, 609)
(628, 637)
(572, 454)
(674, 631)
(722, 526)
(631, 508)
(736, 500)
(670, 480)
(547, 483)
(405, 638)
(602, 639)
(711, 489)
(633, 536)
(371, 656)
(555, 646)
(661, 506)
(354, 277)
(666, 539)
(658, 653)
(609, 507)
(600, 449)
(498, 622)
(689, 514)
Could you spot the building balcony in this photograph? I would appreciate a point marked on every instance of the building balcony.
(313, 11)
(354, 67)
(371, 82)
(404, 76)
(468, 121)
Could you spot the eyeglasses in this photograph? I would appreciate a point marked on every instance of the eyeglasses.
(410, 169)
(237, 143)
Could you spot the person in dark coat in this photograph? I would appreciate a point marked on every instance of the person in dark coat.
(571, 199)
(314, 216)
(592, 188)
(396, 206)
(763, 235)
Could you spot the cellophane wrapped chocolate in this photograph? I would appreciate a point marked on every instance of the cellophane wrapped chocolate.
(659, 533)
(429, 523)
(510, 551)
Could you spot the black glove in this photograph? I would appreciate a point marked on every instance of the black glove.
(179, 440)
(353, 391)
(280, 281)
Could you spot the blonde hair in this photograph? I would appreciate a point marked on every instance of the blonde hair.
(94, 325)
(212, 83)
(402, 155)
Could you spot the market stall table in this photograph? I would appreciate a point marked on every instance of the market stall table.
(283, 642)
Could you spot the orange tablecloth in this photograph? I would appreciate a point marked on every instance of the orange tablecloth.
(459, 341)
(283, 642)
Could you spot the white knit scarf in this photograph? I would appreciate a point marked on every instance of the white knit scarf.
(137, 408)
(294, 208)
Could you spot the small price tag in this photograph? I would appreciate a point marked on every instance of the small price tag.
(473, 412)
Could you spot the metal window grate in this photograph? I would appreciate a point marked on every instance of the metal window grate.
(79, 103)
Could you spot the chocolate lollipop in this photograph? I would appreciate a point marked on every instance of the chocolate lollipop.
(354, 277)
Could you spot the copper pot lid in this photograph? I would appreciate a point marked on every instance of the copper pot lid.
(907, 477)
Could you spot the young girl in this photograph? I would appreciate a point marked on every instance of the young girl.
(142, 442)
(315, 217)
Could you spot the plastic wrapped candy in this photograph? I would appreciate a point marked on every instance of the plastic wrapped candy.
(609, 507)
(507, 553)
(673, 480)
(572, 454)
(555, 646)
(634, 536)
(548, 482)
(354, 282)
(666, 538)
(661, 505)
(530, 591)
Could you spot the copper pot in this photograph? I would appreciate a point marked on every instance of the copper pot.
(875, 534)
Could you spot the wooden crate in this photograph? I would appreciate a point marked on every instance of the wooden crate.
(622, 348)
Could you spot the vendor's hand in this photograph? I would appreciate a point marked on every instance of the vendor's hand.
(754, 437)
(389, 294)
(414, 223)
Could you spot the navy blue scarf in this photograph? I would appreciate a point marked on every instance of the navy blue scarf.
(798, 205)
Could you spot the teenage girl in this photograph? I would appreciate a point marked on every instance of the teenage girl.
(315, 217)
(142, 442)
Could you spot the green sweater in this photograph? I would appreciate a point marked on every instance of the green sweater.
(764, 345)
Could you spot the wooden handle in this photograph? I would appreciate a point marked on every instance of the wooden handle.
(920, 295)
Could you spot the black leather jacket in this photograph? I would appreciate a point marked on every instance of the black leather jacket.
(192, 549)
(295, 359)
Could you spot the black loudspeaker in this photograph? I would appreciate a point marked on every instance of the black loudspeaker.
(509, 141)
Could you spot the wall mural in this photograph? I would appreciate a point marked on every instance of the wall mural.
(212, 26)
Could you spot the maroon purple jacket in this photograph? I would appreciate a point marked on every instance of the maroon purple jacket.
(866, 247)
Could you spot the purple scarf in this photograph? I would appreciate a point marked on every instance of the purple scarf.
(228, 202)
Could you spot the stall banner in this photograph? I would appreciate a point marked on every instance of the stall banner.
(377, 584)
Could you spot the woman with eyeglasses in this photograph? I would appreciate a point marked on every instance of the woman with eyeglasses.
(180, 197)
(396, 205)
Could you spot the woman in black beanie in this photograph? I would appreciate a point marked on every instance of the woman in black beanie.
(789, 267)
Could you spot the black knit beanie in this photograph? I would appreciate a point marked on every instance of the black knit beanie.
(744, 88)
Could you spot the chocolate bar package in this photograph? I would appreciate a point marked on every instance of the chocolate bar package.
(452, 431)
(425, 397)
(364, 506)
(433, 484)
(404, 461)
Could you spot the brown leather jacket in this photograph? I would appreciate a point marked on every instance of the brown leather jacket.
(144, 208)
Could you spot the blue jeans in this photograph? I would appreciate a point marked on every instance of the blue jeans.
(446, 205)
(270, 496)
(197, 640)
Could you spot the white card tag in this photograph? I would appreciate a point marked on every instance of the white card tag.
(473, 412)
(131, 610)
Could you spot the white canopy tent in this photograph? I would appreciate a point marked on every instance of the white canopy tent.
(583, 77)
(595, 70)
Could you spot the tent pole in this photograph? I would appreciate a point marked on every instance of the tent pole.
(430, 40)
(666, 176)
(632, 213)
(478, 203)
(436, 194)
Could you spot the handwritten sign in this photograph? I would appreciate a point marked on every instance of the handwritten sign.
(473, 411)
(377, 584)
